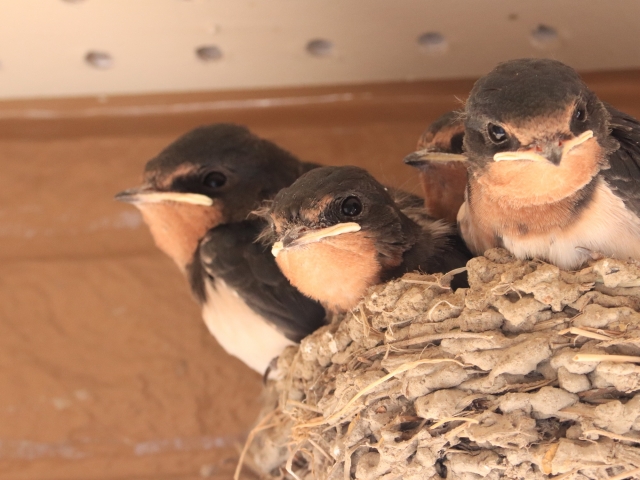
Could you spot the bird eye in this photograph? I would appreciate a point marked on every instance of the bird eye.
(456, 142)
(497, 134)
(215, 180)
(351, 206)
(580, 114)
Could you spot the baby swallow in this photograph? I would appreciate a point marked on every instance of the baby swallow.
(554, 172)
(337, 231)
(196, 197)
(443, 167)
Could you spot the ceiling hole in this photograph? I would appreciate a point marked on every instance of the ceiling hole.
(433, 42)
(544, 36)
(320, 47)
(208, 53)
(97, 59)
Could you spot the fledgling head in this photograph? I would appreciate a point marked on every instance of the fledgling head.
(445, 135)
(442, 166)
(337, 231)
(212, 175)
(534, 131)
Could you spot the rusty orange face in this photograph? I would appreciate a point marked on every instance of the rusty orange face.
(177, 221)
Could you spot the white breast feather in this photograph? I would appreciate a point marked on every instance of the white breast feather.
(606, 226)
(239, 330)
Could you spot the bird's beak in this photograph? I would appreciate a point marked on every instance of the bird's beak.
(294, 238)
(146, 194)
(551, 152)
(426, 157)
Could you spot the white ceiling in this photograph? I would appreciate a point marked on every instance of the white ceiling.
(151, 44)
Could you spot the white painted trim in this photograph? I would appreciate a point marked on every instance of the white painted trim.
(152, 43)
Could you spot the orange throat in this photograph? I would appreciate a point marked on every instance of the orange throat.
(177, 228)
(509, 194)
(336, 271)
(443, 187)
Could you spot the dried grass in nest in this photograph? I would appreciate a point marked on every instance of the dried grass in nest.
(531, 373)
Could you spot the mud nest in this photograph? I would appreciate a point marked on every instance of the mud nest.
(530, 373)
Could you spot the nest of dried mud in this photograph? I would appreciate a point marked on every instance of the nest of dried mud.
(530, 374)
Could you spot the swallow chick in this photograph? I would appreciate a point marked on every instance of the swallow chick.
(196, 199)
(554, 172)
(336, 231)
(442, 166)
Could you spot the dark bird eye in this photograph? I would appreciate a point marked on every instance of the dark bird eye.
(456, 142)
(215, 180)
(497, 134)
(351, 206)
(580, 114)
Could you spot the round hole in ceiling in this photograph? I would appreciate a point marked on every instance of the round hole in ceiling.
(99, 59)
(209, 53)
(544, 36)
(433, 42)
(320, 47)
